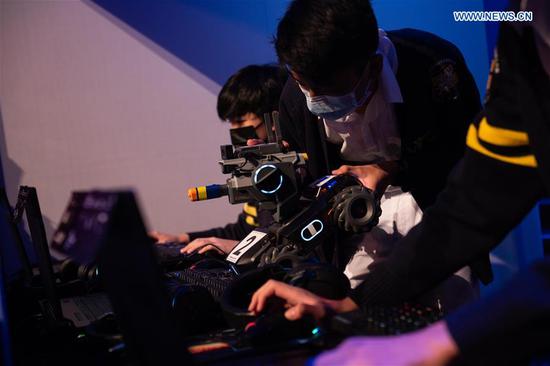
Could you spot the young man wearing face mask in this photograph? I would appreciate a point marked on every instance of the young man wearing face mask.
(504, 172)
(390, 107)
(244, 98)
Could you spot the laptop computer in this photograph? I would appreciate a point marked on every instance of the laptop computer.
(80, 310)
(107, 227)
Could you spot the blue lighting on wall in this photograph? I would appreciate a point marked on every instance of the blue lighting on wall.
(215, 37)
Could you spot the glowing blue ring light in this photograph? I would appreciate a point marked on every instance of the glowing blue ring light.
(313, 233)
(256, 179)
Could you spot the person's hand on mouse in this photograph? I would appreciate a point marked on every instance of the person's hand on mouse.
(203, 245)
(298, 301)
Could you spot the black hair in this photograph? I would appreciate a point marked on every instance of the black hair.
(316, 38)
(253, 89)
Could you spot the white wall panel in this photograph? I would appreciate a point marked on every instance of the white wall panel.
(87, 103)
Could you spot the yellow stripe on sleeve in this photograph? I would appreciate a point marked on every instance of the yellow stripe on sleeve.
(473, 143)
(251, 210)
(501, 136)
(250, 221)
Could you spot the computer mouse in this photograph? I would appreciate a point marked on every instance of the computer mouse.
(273, 328)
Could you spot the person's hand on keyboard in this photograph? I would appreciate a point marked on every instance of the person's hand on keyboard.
(203, 245)
(299, 302)
(163, 238)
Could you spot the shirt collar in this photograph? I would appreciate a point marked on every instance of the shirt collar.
(388, 82)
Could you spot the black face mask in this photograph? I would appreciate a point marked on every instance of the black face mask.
(240, 135)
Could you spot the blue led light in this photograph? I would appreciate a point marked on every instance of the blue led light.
(331, 184)
(315, 331)
(320, 180)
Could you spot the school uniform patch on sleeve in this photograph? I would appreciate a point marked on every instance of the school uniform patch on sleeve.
(444, 81)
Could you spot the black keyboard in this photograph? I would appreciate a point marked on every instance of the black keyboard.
(96, 304)
(215, 280)
(170, 252)
(385, 320)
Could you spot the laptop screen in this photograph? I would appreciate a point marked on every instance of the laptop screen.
(84, 224)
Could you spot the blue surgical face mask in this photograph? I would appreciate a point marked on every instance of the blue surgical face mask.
(335, 107)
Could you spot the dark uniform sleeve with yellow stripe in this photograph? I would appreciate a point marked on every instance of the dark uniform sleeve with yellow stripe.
(247, 221)
(513, 325)
(491, 189)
